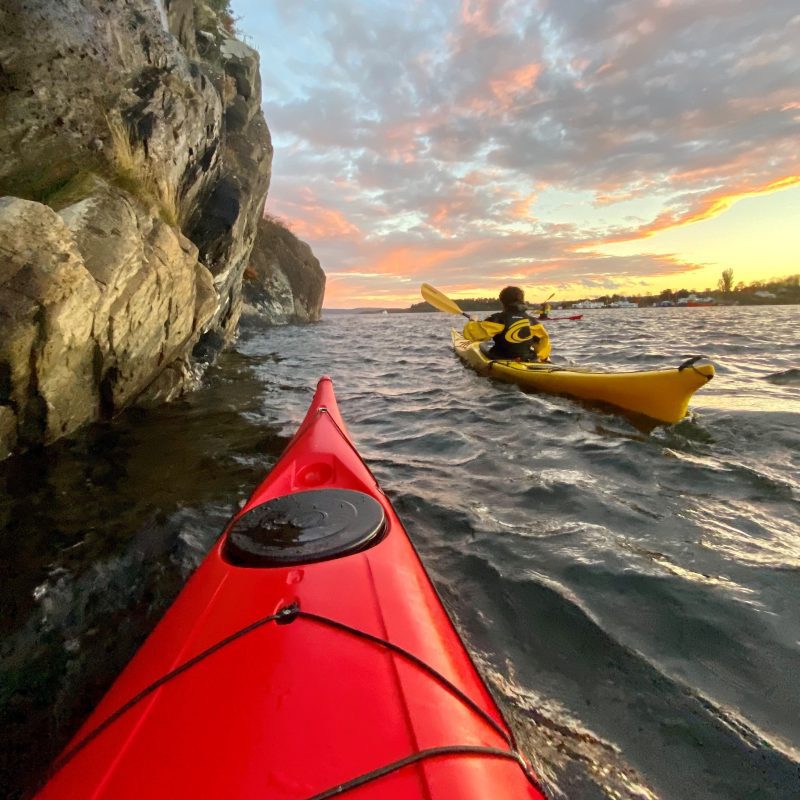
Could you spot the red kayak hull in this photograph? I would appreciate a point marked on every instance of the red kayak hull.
(561, 319)
(289, 711)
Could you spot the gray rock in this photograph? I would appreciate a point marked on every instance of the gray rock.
(284, 281)
(206, 299)
(137, 161)
(69, 67)
(149, 274)
(46, 297)
(95, 304)
(180, 16)
(224, 225)
(170, 383)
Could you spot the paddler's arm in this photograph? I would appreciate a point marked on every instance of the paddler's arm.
(540, 343)
(479, 331)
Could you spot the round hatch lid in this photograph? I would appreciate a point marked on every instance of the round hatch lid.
(304, 527)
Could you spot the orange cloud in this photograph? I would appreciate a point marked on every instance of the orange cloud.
(439, 216)
(715, 205)
(475, 14)
(410, 260)
(782, 99)
(508, 86)
(607, 198)
(521, 209)
(504, 89)
(478, 177)
(309, 219)
(458, 204)
(323, 223)
(404, 139)
(710, 205)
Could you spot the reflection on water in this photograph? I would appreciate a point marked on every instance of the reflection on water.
(630, 596)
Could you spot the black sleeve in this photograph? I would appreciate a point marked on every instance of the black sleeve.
(494, 318)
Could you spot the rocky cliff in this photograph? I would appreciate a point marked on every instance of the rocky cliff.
(135, 165)
(284, 281)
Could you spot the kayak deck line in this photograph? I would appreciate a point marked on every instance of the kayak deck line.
(539, 366)
(281, 617)
(548, 368)
(285, 616)
(359, 678)
(421, 755)
(418, 662)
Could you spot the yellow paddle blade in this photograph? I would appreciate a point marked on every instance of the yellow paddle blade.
(477, 331)
(439, 300)
(543, 346)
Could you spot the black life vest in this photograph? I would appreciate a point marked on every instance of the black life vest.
(517, 338)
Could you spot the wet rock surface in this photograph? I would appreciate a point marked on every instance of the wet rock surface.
(135, 163)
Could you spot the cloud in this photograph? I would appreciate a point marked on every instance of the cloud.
(694, 208)
(436, 135)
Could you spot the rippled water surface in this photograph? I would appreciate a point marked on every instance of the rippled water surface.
(632, 598)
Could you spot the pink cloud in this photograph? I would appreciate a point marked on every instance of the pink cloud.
(506, 87)
(521, 209)
(475, 14)
(308, 219)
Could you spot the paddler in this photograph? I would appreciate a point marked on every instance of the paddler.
(521, 332)
(544, 311)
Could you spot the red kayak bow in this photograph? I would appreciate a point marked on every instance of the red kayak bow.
(308, 657)
(560, 319)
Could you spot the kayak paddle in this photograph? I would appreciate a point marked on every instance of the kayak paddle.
(440, 300)
(543, 303)
(478, 329)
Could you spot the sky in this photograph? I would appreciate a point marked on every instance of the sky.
(582, 147)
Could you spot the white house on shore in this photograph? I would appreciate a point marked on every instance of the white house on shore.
(588, 304)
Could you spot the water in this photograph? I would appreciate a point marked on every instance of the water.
(631, 597)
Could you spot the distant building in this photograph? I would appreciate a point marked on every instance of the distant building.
(623, 304)
(693, 301)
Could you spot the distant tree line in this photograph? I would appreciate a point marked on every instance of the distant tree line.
(782, 291)
(470, 304)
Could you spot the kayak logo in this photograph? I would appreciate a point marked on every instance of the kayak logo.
(520, 331)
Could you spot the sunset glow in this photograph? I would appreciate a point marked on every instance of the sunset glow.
(580, 149)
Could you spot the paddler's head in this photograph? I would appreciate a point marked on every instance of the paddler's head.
(511, 297)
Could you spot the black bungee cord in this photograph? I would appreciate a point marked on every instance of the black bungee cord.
(287, 615)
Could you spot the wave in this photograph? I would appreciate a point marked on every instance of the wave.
(789, 377)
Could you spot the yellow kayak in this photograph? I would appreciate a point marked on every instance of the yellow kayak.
(662, 394)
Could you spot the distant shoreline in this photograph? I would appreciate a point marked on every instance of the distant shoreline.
(465, 307)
